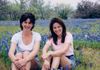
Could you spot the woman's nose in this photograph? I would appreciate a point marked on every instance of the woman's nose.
(57, 29)
(27, 24)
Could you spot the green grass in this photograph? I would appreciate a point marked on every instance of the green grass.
(41, 30)
(4, 66)
(13, 29)
(89, 59)
(89, 44)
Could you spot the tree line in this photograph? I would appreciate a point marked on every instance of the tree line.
(12, 11)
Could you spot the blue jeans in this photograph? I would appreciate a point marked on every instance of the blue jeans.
(72, 59)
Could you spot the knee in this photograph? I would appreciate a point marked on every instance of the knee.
(25, 54)
(18, 55)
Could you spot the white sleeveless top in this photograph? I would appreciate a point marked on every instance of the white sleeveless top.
(21, 47)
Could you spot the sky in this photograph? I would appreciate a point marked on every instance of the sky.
(72, 3)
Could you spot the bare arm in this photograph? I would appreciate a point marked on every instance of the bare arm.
(59, 52)
(45, 50)
(12, 51)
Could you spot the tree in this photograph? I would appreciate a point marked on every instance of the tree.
(63, 11)
(87, 9)
(23, 5)
(3, 9)
(36, 6)
(12, 11)
(42, 11)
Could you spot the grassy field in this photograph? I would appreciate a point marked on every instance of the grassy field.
(89, 59)
(13, 29)
(87, 54)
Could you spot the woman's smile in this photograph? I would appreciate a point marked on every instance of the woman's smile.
(27, 25)
(57, 28)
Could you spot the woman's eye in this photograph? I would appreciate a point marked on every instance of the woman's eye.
(58, 26)
(30, 23)
(54, 27)
(25, 22)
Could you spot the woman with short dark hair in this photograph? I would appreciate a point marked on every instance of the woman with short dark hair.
(26, 43)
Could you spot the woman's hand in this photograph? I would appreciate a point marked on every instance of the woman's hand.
(16, 62)
(44, 56)
(47, 55)
(47, 64)
(22, 62)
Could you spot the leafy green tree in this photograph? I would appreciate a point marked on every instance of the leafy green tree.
(36, 6)
(40, 10)
(3, 9)
(87, 9)
(63, 11)
(23, 5)
(48, 12)
(14, 12)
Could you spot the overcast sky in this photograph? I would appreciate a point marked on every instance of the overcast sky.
(72, 3)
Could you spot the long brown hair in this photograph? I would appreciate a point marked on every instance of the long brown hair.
(53, 35)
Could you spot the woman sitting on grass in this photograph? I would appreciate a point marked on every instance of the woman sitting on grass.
(25, 44)
(62, 44)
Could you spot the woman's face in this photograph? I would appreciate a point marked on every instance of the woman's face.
(27, 25)
(57, 28)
